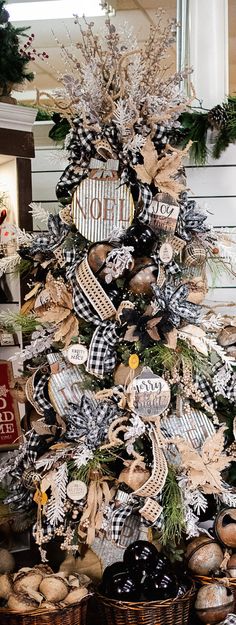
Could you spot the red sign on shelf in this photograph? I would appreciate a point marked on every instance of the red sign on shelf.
(10, 431)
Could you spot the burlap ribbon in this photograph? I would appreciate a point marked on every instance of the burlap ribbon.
(98, 497)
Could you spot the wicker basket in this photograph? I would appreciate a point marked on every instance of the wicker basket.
(230, 582)
(74, 614)
(169, 612)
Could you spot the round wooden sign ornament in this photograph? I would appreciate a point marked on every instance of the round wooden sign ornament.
(77, 354)
(100, 203)
(166, 253)
(148, 394)
(76, 490)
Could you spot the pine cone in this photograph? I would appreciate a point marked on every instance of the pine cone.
(217, 116)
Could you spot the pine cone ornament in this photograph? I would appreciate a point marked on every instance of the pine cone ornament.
(217, 116)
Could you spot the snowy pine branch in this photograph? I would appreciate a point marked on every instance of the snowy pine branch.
(9, 263)
(55, 510)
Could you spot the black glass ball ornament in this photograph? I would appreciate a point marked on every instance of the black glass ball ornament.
(141, 556)
(182, 589)
(162, 564)
(141, 237)
(109, 572)
(114, 293)
(157, 587)
(123, 587)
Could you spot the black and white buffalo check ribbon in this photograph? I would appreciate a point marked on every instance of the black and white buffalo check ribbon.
(118, 519)
(146, 196)
(40, 393)
(82, 148)
(191, 219)
(57, 231)
(230, 620)
(102, 354)
(172, 302)
(205, 386)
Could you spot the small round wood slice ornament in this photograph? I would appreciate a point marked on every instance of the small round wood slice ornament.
(166, 253)
(76, 490)
(100, 203)
(148, 394)
(77, 354)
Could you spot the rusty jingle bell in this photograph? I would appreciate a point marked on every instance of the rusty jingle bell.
(231, 566)
(214, 602)
(225, 527)
(97, 255)
(203, 555)
(142, 276)
(100, 203)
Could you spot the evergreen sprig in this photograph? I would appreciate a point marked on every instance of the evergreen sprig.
(173, 515)
(17, 322)
(13, 62)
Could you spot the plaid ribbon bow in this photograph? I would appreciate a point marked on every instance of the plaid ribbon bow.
(82, 149)
(172, 302)
(90, 421)
(57, 231)
(190, 219)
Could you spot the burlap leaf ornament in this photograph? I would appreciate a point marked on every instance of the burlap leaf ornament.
(162, 171)
(55, 305)
(203, 469)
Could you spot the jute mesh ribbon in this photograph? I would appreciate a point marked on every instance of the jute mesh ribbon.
(151, 510)
(156, 481)
(94, 291)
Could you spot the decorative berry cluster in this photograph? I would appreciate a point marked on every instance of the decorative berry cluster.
(30, 52)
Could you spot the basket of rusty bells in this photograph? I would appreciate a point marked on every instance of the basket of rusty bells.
(167, 612)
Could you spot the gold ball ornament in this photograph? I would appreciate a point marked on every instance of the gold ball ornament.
(194, 254)
(213, 603)
(225, 527)
(142, 276)
(203, 555)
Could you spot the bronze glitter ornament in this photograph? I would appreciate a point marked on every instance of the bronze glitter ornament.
(214, 602)
(142, 276)
(225, 527)
(203, 555)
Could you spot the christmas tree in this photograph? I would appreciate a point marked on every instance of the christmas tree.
(128, 372)
(14, 59)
